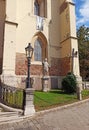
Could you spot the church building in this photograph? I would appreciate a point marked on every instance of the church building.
(50, 27)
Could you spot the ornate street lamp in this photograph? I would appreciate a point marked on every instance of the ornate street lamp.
(29, 53)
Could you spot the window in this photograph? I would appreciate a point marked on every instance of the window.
(36, 8)
(40, 8)
(37, 50)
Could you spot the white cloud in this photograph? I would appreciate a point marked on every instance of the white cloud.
(83, 13)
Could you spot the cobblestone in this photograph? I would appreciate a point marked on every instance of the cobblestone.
(70, 118)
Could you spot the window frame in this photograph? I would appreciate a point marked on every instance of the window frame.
(42, 10)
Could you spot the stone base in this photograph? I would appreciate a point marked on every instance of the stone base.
(79, 87)
(9, 80)
(29, 110)
(79, 82)
(79, 94)
(45, 81)
(29, 106)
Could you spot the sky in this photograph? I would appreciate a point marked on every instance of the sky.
(82, 12)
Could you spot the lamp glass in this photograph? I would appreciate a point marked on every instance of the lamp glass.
(29, 51)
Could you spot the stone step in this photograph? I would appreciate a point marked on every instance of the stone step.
(1, 109)
(8, 116)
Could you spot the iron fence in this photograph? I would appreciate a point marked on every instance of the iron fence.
(12, 96)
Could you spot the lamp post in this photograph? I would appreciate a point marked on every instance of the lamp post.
(29, 91)
(29, 53)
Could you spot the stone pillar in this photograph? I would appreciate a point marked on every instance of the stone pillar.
(79, 87)
(9, 54)
(79, 94)
(29, 105)
(45, 83)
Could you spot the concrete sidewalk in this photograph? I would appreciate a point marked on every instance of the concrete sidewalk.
(69, 117)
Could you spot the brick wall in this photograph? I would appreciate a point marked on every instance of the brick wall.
(55, 67)
(21, 66)
(59, 67)
(65, 66)
(36, 70)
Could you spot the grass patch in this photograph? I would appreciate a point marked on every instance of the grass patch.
(85, 94)
(46, 100)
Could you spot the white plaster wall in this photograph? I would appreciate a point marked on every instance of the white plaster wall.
(11, 6)
(27, 24)
(9, 38)
(54, 30)
(9, 49)
(76, 68)
(72, 20)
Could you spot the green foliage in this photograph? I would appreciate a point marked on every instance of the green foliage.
(85, 94)
(83, 44)
(69, 83)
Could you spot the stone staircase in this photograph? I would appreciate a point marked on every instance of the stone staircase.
(8, 116)
(0, 109)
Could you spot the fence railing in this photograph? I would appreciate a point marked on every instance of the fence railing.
(12, 96)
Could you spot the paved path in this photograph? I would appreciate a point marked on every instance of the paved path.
(70, 118)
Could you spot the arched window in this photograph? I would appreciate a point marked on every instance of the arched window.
(37, 50)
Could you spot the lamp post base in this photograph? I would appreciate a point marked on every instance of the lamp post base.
(29, 106)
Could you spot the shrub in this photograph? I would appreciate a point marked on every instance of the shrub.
(69, 83)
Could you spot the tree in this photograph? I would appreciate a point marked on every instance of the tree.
(83, 44)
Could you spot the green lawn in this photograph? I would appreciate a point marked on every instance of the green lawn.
(46, 100)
